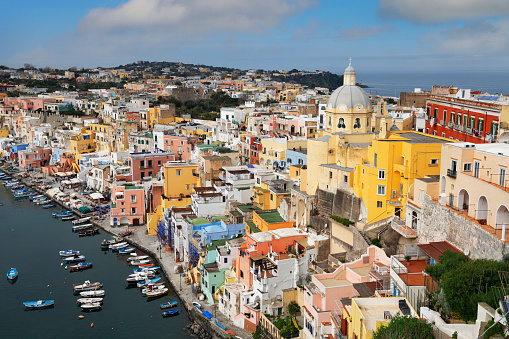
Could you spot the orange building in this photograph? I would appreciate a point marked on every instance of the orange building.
(267, 220)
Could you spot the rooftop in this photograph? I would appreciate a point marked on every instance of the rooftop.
(373, 309)
(270, 216)
(418, 138)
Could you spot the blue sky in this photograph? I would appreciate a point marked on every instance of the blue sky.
(380, 36)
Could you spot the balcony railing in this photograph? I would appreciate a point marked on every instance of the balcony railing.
(399, 225)
(452, 173)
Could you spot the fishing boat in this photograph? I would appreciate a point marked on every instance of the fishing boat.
(105, 244)
(170, 313)
(118, 245)
(146, 265)
(12, 274)
(81, 220)
(39, 303)
(125, 234)
(62, 214)
(68, 253)
(146, 269)
(157, 292)
(126, 250)
(169, 304)
(91, 307)
(87, 286)
(41, 201)
(75, 258)
(135, 278)
(89, 300)
(139, 262)
(81, 266)
(137, 257)
(93, 293)
(81, 227)
(91, 231)
(148, 281)
(49, 205)
(71, 217)
(152, 288)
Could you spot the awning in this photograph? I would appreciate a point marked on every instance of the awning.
(75, 181)
(66, 182)
(84, 209)
(96, 196)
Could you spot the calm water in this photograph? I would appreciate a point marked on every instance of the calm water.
(391, 84)
(30, 240)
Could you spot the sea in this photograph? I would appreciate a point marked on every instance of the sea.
(30, 239)
(391, 84)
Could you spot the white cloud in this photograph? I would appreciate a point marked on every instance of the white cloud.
(355, 33)
(477, 37)
(192, 16)
(433, 11)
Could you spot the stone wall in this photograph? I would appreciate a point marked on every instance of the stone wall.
(439, 223)
(342, 203)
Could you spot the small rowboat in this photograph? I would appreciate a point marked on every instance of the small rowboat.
(51, 204)
(80, 221)
(90, 231)
(62, 214)
(81, 266)
(89, 300)
(146, 269)
(126, 250)
(71, 217)
(139, 262)
(87, 286)
(118, 245)
(170, 313)
(75, 258)
(137, 257)
(39, 303)
(68, 253)
(125, 234)
(93, 294)
(170, 304)
(91, 307)
(148, 281)
(12, 274)
(146, 265)
(157, 293)
(81, 227)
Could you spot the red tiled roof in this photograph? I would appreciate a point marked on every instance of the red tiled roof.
(436, 249)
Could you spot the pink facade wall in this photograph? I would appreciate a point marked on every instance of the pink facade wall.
(128, 207)
(148, 165)
(35, 158)
(179, 145)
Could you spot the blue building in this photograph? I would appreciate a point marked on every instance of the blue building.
(296, 157)
(207, 233)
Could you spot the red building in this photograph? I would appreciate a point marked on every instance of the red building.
(255, 148)
(148, 164)
(462, 119)
(34, 158)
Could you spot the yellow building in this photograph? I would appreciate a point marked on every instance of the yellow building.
(384, 177)
(83, 142)
(273, 153)
(264, 221)
(351, 122)
(365, 315)
(180, 179)
(161, 115)
(102, 136)
(268, 195)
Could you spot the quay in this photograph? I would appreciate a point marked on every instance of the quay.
(151, 246)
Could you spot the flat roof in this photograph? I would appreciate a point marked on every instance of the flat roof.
(418, 138)
(270, 216)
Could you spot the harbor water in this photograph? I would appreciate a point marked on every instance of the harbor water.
(30, 239)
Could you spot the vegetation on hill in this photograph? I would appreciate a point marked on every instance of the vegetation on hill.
(325, 79)
(404, 327)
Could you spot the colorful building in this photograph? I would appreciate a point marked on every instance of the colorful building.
(268, 220)
(127, 205)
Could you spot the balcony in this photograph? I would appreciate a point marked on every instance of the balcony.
(399, 225)
(452, 173)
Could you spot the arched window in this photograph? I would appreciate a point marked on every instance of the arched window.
(330, 121)
(357, 123)
(341, 123)
(321, 118)
(367, 122)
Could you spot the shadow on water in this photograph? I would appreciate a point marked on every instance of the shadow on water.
(12, 281)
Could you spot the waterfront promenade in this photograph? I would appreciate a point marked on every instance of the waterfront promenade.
(150, 245)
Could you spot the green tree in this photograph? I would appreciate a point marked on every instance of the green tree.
(293, 308)
(404, 327)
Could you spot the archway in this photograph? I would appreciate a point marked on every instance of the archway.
(482, 210)
(414, 219)
(269, 163)
(502, 217)
(275, 165)
(124, 221)
(463, 200)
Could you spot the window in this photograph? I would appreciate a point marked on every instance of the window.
(480, 125)
(178, 173)
(428, 112)
(150, 163)
(341, 123)
(501, 174)
(345, 178)
(133, 198)
(433, 162)
(380, 190)
(330, 174)
(122, 210)
(133, 210)
(445, 117)
(379, 204)
(381, 174)
(187, 187)
(376, 160)
(225, 260)
(271, 197)
(435, 114)
(159, 163)
(142, 164)
(142, 174)
(357, 123)
(467, 167)
(242, 276)
(477, 168)
(421, 195)
(494, 129)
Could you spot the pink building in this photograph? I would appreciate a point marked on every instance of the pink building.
(127, 205)
(34, 157)
(26, 104)
(322, 296)
(147, 164)
(180, 145)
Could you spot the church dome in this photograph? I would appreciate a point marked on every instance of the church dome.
(350, 96)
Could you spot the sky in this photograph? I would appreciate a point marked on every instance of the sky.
(379, 35)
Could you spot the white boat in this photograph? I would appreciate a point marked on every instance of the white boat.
(68, 253)
(118, 245)
(82, 227)
(89, 300)
(156, 293)
(138, 257)
(140, 262)
(92, 294)
(138, 278)
(152, 288)
(91, 307)
(81, 221)
(74, 258)
(87, 285)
